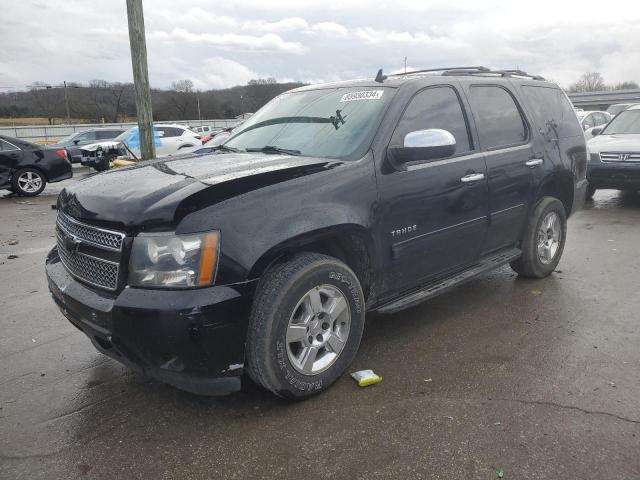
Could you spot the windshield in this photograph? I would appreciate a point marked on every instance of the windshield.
(124, 135)
(626, 123)
(334, 123)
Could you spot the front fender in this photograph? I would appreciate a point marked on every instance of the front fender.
(255, 224)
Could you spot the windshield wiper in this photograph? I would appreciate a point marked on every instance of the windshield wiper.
(274, 149)
(225, 148)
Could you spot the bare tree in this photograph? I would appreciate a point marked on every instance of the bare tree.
(46, 99)
(588, 82)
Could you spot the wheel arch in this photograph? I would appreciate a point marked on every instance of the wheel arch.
(559, 185)
(41, 171)
(349, 243)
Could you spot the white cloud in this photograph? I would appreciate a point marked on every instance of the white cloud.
(318, 40)
(330, 29)
(285, 25)
(267, 41)
(219, 72)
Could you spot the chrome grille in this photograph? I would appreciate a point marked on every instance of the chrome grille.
(100, 237)
(622, 157)
(90, 268)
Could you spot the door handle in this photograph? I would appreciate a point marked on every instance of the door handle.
(472, 177)
(534, 162)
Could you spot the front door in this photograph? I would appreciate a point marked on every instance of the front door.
(434, 213)
(505, 138)
(10, 156)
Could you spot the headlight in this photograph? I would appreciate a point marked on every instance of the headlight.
(168, 260)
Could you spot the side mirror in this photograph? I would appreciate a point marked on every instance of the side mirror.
(596, 131)
(424, 145)
(75, 142)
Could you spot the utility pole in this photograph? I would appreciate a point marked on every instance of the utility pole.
(405, 65)
(66, 101)
(138, 44)
(198, 99)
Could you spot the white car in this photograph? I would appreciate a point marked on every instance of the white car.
(168, 139)
(593, 119)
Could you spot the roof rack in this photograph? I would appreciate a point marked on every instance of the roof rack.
(476, 70)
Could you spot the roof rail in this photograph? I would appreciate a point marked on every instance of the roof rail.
(477, 70)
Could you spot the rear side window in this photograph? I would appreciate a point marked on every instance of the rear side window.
(7, 147)
(170, 131)
(106, 134)
(437, 107)
(552, 111)
(498, 118)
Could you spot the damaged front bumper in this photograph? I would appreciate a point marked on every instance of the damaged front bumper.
(191, 339)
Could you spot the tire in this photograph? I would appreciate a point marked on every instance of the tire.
(28, 182)
(538, 261)
(104, 163)
(286, 295)
(590, 192)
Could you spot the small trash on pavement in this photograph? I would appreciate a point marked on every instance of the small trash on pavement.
(366, 378)
(14, 242)
(501, 472)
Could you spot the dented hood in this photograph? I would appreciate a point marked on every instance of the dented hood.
(156, 194)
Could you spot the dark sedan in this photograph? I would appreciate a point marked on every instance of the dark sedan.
(25, 168)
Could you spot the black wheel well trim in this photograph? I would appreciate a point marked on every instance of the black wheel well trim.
(559, 185)
(349, 243)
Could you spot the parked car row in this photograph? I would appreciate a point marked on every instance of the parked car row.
(168, 139)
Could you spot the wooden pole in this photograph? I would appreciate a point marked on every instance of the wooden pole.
(138, 44)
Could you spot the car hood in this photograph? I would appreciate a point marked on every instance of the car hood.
(159, 193)
(614, 143)
(92, 147)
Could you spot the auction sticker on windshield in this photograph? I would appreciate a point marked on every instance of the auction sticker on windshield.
(362, 95)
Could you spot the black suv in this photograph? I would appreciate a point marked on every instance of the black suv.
(333, 200)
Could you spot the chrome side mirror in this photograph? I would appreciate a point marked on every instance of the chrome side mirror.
(427, 144)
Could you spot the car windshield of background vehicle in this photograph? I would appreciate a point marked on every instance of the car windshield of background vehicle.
(333, 123)
(626, 123)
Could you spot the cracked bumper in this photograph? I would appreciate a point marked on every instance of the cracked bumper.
(191, 339)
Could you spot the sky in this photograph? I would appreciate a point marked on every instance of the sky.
(219, 44)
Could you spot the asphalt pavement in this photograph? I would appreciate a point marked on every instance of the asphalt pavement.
(537, 379)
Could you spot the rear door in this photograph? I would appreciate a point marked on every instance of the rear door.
(10, 157)
(506, 140)
(433, 220)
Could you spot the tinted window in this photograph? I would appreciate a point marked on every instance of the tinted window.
(105, 134)
(86, 136)
(497, 117)
(552, 111)
(437, 107)
(601, 118)
(588, 121)
(170, 131)
(7, 147)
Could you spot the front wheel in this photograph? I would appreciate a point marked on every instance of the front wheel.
(543, 240)
(305, 327)
(104, 163)
(28, 182)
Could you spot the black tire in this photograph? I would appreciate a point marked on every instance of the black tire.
(590, 192)
(21, 189)
(529, 264)
(278, 294)
(104, 163)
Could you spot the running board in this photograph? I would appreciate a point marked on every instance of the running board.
(432, 289)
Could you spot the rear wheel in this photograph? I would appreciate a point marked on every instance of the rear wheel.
(28, 182)
(306, 324)
(543, 240)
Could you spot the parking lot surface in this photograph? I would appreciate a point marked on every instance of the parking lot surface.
(538, 378)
